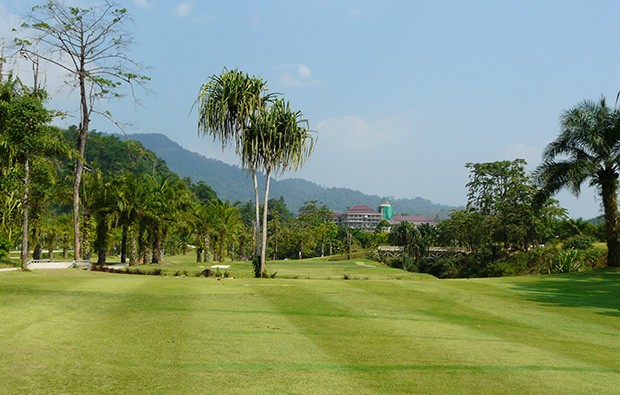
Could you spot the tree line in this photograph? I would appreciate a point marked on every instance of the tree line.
(507, 209)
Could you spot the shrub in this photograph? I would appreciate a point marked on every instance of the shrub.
(4, 247)
(206, 273)
(566, 261)
(256, 266)
(578, 242)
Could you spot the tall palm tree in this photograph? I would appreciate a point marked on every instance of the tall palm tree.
(227, 105)
(280, 140)
(588, 148)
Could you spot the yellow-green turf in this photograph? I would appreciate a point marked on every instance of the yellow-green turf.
(383, 331)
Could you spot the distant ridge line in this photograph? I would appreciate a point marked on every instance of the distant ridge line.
(230, 182)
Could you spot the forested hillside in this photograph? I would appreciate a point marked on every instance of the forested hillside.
(230, 182)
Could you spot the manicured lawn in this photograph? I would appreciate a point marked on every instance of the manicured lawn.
(381, 331)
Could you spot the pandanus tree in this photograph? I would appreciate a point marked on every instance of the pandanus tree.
(267, 134)
(587, 149)
(227, 105)
(277, 141)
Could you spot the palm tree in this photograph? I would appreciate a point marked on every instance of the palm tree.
(126, 190)
(226, 223)
(227, 105)
(24, 131)
(202, 225)
(588, 148)
(280, 140)
(65, 226)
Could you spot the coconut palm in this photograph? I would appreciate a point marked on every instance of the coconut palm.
(588, 148)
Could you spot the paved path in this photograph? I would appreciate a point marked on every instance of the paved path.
(42, 265)
(58, 265)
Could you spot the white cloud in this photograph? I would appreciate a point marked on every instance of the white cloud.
(143, 3)
(297, 75)
(184, 9)
(355, 13)
(355, 135)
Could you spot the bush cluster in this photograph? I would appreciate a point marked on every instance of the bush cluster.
(492, 262)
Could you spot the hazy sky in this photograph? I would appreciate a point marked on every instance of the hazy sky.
(402, 93)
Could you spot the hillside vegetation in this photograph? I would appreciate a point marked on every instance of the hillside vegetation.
(230, 182)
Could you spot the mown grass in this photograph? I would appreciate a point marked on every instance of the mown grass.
(72, 331)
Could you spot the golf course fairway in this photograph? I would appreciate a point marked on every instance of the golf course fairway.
(378, 331)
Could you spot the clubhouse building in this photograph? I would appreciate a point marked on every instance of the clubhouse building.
(364, 217)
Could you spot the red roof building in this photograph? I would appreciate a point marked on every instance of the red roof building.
(364, 217)
(412, 219)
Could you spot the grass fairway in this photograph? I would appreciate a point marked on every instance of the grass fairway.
(382, 331)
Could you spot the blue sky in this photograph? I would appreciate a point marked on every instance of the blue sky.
(402, 93)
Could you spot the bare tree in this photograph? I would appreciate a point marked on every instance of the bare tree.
(92, 47)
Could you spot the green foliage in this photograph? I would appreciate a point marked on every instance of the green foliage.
(5, 247)
(411, 239)
(231, 182)
(505, 213)
(587, 150)
(579, 242)
(203, 193)
(382, 226)
(114, 156)
(256, 266)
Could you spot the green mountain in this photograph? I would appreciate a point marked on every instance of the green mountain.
(230, 182)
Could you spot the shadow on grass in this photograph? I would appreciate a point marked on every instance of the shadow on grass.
(595, 289)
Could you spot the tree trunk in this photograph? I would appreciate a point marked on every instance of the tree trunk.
(124, 245)
(102, 242)
(141, 245)
(275, 237)
(85, 236)
(133, 245)
(50, 250)
(222, 245)
(79, 163)
(257, 209)
(207, 247)
(265, 210)
(79, 169)
(25, 204)
(37, 253)
(610, 206)
(198, 249)
(157, 245)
